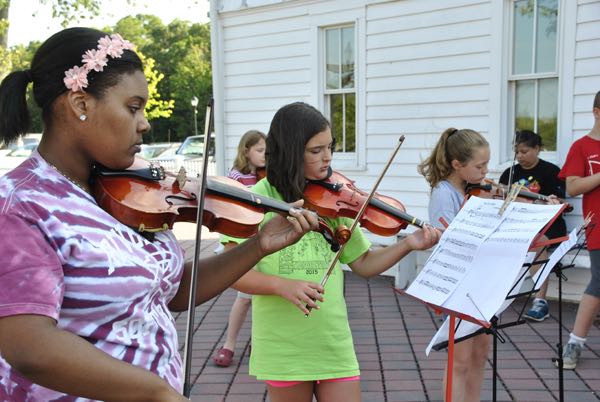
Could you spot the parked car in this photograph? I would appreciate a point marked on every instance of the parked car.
(159, 149)
(189, 155)
(13, 154)
(21, 142)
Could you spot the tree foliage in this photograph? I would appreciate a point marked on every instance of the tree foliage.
(155, 107)
(177, 65)
(182, 53)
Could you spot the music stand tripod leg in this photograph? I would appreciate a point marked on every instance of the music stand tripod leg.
(493, 330)
(561, 386)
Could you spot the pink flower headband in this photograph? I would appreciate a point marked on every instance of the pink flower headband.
(95, 59)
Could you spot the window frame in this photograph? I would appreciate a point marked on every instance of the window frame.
(512, 79)
(350, 161)
(341, 91)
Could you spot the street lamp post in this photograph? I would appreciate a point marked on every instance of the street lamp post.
(194, 103)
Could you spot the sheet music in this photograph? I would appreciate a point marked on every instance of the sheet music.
(453, 257)
(500, 259)
(564, 247)
(465, 328)
(494, 265)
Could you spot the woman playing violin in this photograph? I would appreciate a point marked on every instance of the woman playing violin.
(459, 158)
(84, 299)
(302, 357)
(538, 176)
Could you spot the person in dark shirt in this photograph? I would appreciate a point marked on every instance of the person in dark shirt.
(538, 176)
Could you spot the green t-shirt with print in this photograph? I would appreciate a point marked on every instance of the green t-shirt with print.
(286, 345)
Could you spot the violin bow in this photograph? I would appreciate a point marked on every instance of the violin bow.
(512, 164)
(359, 215)
(189, 334)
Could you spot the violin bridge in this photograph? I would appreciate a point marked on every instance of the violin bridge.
(143, 228)
(587, 219)
(511, 196)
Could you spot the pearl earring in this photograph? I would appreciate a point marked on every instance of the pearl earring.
(83, 117)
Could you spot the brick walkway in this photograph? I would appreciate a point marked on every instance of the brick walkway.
(390, 335)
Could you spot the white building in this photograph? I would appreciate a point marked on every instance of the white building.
(379, 69)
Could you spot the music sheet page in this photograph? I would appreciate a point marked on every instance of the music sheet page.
(480, 256)
(453, 257)
(560, 251)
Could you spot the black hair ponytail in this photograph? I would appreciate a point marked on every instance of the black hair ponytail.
(14, 116)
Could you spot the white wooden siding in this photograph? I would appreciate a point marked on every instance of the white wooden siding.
(428, 65)
(586, 82)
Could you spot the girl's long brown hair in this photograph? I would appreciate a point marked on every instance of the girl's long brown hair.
(291, 128)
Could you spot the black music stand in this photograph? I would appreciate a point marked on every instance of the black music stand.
(491, 327)
(558, 271)
(495, 326)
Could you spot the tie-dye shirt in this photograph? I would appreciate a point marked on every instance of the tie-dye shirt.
(63, 257)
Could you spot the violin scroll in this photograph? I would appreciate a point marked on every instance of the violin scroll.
(150, 200)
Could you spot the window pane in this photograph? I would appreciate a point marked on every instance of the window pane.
(525, 105)
(348, 57)
(547, 112)
(350, 123)
(337, 121)
(336, 108)
(545, 58)
(522, 36)
(332, 56)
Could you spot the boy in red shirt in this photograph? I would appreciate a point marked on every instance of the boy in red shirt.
(581, 172)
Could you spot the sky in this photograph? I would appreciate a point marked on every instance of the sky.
(29, 20)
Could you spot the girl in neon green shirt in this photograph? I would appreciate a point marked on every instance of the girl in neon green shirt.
(300, 357)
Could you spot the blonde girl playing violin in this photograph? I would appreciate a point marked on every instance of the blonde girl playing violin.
(84, 299)
(460, 157)
(300, 357)
(250, 157)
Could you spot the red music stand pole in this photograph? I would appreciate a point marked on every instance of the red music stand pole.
(450, 364)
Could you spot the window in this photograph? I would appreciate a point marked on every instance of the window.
(533, 78)
(340, 85)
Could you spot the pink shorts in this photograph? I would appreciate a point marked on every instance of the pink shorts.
(283, 384)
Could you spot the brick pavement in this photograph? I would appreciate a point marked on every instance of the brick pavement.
(390, 335)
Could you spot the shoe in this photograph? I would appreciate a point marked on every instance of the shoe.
(538, 311)
(571, 356)
(223, 357)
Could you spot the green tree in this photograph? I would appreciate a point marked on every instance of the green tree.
(19, 57)
(182, 52)
(177, 62)
(155, 107)
(4, 5)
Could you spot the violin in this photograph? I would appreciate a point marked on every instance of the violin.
(149, 199)
(338, 196)
(491, 189)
